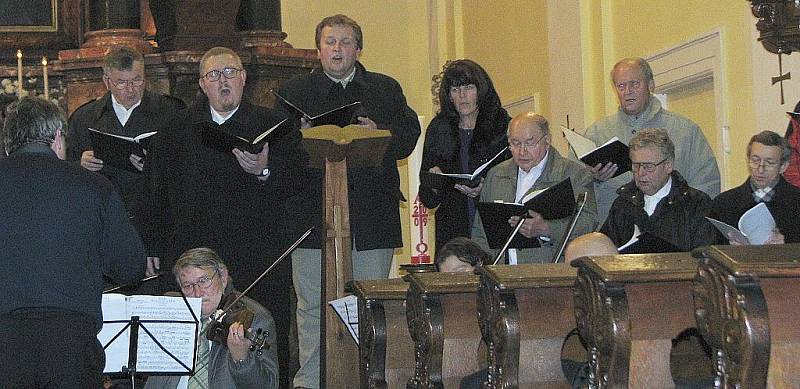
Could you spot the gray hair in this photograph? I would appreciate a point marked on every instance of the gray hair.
(201, 257)
(654, 137)
(639, 62)
(32, 120)
(533, 117)
(121, 58)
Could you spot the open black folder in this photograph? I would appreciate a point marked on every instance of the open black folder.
(447, 181)
(216, 138)
(613, 151)
(340, 116)
(647, 243)
(555, 202)
(115, 150)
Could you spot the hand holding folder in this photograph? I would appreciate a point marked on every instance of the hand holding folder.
(555, 202)
(613, 151)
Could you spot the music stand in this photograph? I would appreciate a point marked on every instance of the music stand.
(176, 355)
(572, 223)
(333, 149)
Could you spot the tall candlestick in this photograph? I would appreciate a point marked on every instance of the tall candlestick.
(44, 74)
(19, 73)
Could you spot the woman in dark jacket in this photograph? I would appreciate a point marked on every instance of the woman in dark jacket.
(468, 131)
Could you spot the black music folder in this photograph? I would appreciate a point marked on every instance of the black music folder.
(555, 202)
(216, 138)
(647, 243)
(613, 151)
(447, 181)
(340, 116)
(115, 150)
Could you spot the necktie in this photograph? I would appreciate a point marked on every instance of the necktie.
(200, 378)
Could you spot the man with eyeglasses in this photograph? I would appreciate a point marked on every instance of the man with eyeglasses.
(63, 230)
(127, 109)
(374, 194)
(768, 157)
(200, 272)
(535, 165)
(633, 83)
(230, 201)
(658, 201)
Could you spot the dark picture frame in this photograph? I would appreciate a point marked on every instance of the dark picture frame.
(29, 16)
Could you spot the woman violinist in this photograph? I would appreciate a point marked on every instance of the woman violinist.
(468, 131)
(226, 362)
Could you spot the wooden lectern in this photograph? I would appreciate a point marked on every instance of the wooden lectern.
(334, 148)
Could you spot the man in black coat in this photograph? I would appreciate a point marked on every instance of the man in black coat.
(230, 201)
(62, 229)
(768, 157)
(129, 110)
(658, 202)
(374, 193)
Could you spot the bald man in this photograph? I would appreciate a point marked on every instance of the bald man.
(535, 165)
(593, 243)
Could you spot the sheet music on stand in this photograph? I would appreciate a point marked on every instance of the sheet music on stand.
(347, 309)
(165, 328)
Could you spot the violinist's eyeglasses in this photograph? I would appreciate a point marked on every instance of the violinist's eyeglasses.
(203, 283)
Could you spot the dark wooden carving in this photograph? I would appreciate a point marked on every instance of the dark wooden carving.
(628, 309)
(524, 313)
(778, 24)
(381, 307)
(441, 308)
(372, 343)
(745, 302)
(424, 315)
(498, 316)
(601, 312)
(728, 312)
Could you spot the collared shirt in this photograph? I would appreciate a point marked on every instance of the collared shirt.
(650, 202)
(525, 182)
(218, 118)
(343, 81)
(123, 114)
(764, 194)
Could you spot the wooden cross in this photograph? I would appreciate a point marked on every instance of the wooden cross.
(781, 77)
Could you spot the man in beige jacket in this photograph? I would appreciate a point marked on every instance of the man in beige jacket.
(535, 165)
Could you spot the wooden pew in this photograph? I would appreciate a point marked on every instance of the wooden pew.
(746, 306)
(442, 318)
(628, 309)
(386, 351)
(525, 311)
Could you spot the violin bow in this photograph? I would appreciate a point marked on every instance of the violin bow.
(281, 258)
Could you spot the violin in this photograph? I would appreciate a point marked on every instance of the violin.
(235, 311)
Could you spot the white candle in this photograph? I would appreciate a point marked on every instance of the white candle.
(44, 73)
(19, 73)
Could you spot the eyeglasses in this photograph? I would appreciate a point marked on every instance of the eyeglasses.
(203, 283)
(631, 85)
(647, 166)
(756, 163)
(215, 75)
(122, 84)
(527, 145)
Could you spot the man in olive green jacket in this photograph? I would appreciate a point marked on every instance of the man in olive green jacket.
(535, 165)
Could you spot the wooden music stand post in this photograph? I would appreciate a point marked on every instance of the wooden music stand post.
(334, 148)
